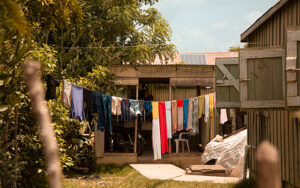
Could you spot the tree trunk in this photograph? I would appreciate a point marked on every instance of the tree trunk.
(41, 112)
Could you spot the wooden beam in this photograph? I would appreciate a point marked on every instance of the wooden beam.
(231, 79)
(136, 120)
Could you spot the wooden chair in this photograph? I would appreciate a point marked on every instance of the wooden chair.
(183, 140)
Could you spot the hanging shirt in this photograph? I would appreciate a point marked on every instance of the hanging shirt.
(77, 111)
(116, 105)
(206, 108)
(185, 113)
(66, 93)
(168, 118)
(141, 106)
(163, 127)
(134, 107)
(148, 107)
(125, 116)
(87, 100)
(52, 83)
(201, 106)
(174, 116)
(179, 115)
(190, 114)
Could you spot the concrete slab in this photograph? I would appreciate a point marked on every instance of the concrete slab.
(209, 179)
(158, 171)
(171, 172)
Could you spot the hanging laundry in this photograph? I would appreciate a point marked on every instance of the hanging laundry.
(190, 114)
(52, 83)
(195, 123)
(141, 106)
(211, 100)
(206, 108)
(215, 100)
(185, 113)
(87, 100)
(223, 116)
(77, 111)
(96, 107)
(125, 106)
(201, 106)
(116, 105)
(180, 115)
(163, 127)
(106, 99)
(169, 119)
(156, 141)
(174, 116)
(66, 93)
(134, 107)
(148, 107)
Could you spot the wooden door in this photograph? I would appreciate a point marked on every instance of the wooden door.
(262, 78)
(227, 83)
(293, 67)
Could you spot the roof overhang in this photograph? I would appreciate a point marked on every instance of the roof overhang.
(262, 19)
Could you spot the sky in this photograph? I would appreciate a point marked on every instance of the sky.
(210, 25)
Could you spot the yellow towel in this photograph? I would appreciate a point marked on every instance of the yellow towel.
(211, 101)
(155, 114)
(201, 105)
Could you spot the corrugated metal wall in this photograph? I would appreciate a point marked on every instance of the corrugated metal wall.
(273, 32)
(161, 92)
(283, 131)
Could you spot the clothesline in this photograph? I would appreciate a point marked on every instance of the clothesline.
(168, 117)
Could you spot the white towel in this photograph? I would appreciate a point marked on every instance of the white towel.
(223, 116)
(169, 119)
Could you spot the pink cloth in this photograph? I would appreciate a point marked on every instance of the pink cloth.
(223, 116)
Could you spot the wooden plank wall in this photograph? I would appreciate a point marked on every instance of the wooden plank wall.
(273, 32)
(283, 131)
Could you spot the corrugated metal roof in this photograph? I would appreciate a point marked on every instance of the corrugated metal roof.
(193, 59)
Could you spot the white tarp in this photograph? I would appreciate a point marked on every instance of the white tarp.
(229, 152)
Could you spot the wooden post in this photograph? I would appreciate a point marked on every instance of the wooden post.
(41, 112)
(170, 99)
(136, 120)
(268, 166)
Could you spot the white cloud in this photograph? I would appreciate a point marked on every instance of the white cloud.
(252, 16)
(220, 25)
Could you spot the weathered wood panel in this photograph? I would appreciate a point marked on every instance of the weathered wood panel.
(272, 33)
(282, 130)
(227, 83)
(293, 66)
(262, 78)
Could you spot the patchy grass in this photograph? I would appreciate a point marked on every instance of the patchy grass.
(111, 176)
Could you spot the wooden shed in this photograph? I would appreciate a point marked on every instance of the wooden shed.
(269, 86)
(163, 82)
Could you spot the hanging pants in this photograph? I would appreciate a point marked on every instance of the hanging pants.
(156, 139)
